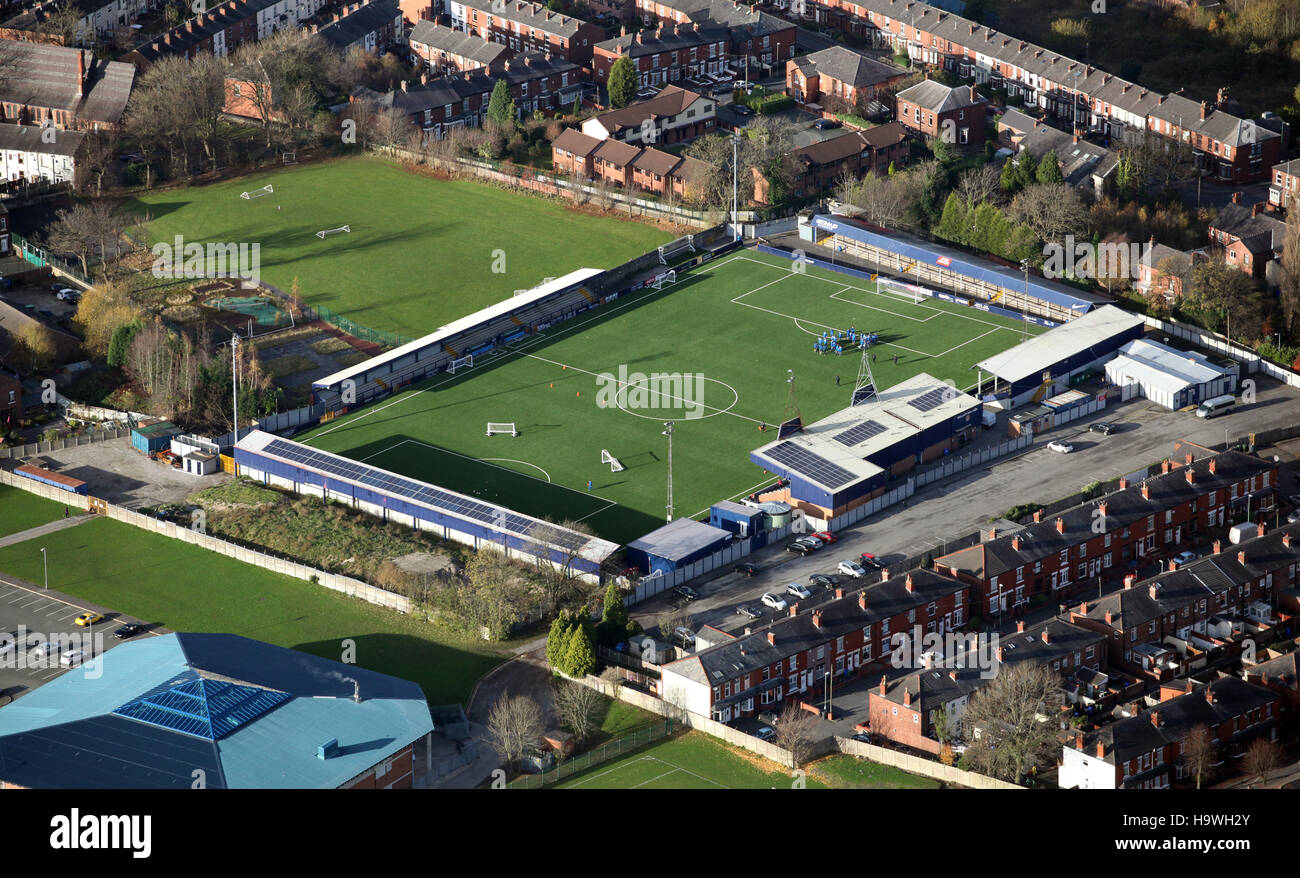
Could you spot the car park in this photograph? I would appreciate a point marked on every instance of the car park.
(852, 568)
(814, 539)
(799, 548)
(88, 619)
(72, 658)
(1060, 446)
(686, 593)
(746, 568)
(800, 591)
(1102, 427)
(41, 650)
(130, 629)
(749, 612)
(774, 600)
(866, 559)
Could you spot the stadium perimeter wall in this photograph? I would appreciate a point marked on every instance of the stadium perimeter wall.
(333, 581)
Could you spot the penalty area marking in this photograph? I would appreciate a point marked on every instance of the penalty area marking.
(521, 463)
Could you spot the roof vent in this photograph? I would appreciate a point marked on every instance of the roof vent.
(328, 750)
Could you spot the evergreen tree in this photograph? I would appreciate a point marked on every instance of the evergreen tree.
(580, 657)
(622, 82)
(557, 642)
(501, 106)
(1010, 176)
(614, 614)
(1049, 170)
(892, 169)
(1026, 169)
(952, 225)
(120, 344)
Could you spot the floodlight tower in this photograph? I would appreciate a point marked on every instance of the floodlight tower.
(234, 381)
(864, 389)
(791, 402)
(668, 431)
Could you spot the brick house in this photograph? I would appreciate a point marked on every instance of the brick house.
(4, 231)
(1084, 165)
(671, 53)
(902, 709)
(797, 654)
(672, 116)
(11, 394)
(932, 109)
(1286, 184)
(612, 161)
(821, 165)
(1146, 751)
(1250, 238)
(68, 87)
(1076, 94)
(572, 153)
(26, 154)
(756, 40)
(1207, 603)
(224, 28)
(526, 27)
(1280, 675)
(1166, 270)
(452, 51)
(839, 72)
(1138, 521)
(648, 169)
(373, 27)
(99, 18)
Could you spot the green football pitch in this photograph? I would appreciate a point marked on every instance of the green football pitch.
(734, 329)
(422, 252)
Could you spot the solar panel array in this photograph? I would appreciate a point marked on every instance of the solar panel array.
(419, 492)
(858, 432)
(209, 709)
(931, 399)
(806, 463)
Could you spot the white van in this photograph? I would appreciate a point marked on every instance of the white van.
(1239, 533)
(1220, 405)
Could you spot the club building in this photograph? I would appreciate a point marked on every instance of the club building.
(305, 470)
(979, 283)
(846, 459)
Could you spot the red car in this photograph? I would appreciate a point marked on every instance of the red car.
(869, 560)
(825, 536)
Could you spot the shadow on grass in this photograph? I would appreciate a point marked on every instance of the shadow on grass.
(445, 672)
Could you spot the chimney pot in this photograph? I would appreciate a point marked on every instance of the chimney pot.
(1209, 695)
(952, 675)
(1038, 516)
(1286, 540)
(1173, 565)
(1047, 636)
(1060, 525)
(910, 587)
(1213, 465)
(1083, 608)
(1191, 476)
(794, 609)
(1154, 591)
(1129, 579)
(1110, 618)
(839, 593)
(862, 600)
(907, 697)
(1205, 106)
(1218, 546)
(1189, 460)
(1002, 653)
(883, 684)
(1146, 491)
(1123, 484)
(1020, 627)
(1155, 718)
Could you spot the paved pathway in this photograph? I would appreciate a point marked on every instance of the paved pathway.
(41, 530)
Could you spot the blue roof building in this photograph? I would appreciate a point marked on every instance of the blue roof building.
(169, 711)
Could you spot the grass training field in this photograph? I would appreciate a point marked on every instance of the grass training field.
(186, 588)
(20, 510)
(421, 252)
(732, 329)
(693, 761)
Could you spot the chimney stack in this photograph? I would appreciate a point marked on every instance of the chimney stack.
(952, 675)
(771, 637)
(1236, 198)
(1153, 591)
(1020, 627)
(1083, 608)
(1060, 525)
(1101, 750)
(884, 574)
(1110, 618)
(1123, 484)
(1038, 516)
(1146, 492)
(910, 587)
(1191, 475)
(81, 73)
(862, 600)
(1165, 466)
(907, 697)
(1078, 741)
(1218, 546)
(1103, 507)
(883, 685)
(403, 85)
(1256, 208)
(839, 592)
(1209, 695)
(1002, 654)
(1213, 466)
(1155, 718)
(1173, 565)
(1286, 540)
(1241, 557)
(817, 618)
(1047, 636)
(1205, 106)
(993, 533)
(1016, 542)
(1129, 579)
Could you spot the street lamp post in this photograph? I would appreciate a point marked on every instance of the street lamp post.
(735, 206)
(234, 382)
(1024, 302)
(45, 562)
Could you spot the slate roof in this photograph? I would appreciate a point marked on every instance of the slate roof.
(571, 140)
(1284, 670)
(532, 15)
(351, 29)
(1081, 160)
(1138, 735)
(1037, 541)
(455, 42)
(186, 38)
(939, 98)
(46, 76)
(848, 66)
(667, 39)
(1292, 167)
(249, 714)
(456, 87)
(27, 138)
(737, 16)
(1180, 260)
(1259, 234)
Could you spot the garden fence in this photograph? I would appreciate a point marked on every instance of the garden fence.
(604, 753)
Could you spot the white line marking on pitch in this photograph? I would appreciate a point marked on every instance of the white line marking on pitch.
(521, 463)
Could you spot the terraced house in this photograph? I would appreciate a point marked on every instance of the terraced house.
(1138, 521)
(1156, 627)
(1077, 95)
(803, 651)
(1147, 751)
(68, 87)
(226, 27)
(755, 40)
(526, 27)
(668, 54)
(451, 51)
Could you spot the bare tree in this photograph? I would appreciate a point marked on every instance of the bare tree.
(1012, 722)
(979, 184)
(796, 731)
(1289, 287)
(1262, 759)
(577, 707)
(495, 595)
(98, 157)
(1051, 210)
(1197, 752)
(515, 725)
(670, 620)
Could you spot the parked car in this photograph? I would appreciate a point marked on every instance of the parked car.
(72, 658)
(88, 619)
(798, 548)
(814, 539)
(852, 568)
(800, 591)
(742, 110)
(825, 536)
(864, 737)
(826, 580)
(41, 650)
(1293, 517)
(749, 612)
(1294, 500)
(767, 718)
(1102, 427)
(765, 734)
(1060, 446)
(1185, 557)
(827, 124)
(812, 544)
(130, 629)
(774, 600)
(866, 559)
(686, 593)
(746, 568)
(69, 295)
(684, 636)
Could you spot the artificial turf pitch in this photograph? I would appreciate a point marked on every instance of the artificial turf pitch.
(422, 252)
(744, 323)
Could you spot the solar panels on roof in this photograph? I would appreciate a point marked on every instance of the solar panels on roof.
(930, 400)
(496, 516)
(804, 462)
(208, 709)
(858, 432)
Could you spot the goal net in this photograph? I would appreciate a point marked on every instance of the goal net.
(494, 428)
(614, 465)
(672, 248)
(323, 232)
(289, 158)
(257, 193)
(667, 277)
(461, 363)
(911, 292)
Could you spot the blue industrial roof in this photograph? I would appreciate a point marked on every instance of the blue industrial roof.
(958, 262)
(248, 714)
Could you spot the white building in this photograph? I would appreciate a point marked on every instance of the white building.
(1169, 377)
(32, 154)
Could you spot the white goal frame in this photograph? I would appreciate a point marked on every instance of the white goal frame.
(672, 248)
(493, 428)
(899, 288)
(615, 466)
(465, 362)
(289, 158)
(666, 277)
(323, 232)
(257, 193)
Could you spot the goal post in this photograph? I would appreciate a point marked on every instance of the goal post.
(493, 428)
(464, 362)
(665, 277)
(257, 193)
(323, 232)
(615, 466)
(901, 289)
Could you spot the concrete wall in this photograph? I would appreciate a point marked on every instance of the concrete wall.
(17, 451)
(924, 767)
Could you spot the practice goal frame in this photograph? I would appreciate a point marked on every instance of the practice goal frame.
(257, 193)
(615, 466)
(495, 427)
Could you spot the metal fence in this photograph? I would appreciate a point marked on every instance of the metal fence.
(42, 258)
(953, 465)
(74, 441)
(604, 753)
(452, 762)
(354, 329)
(658, 583)
(871, 507)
